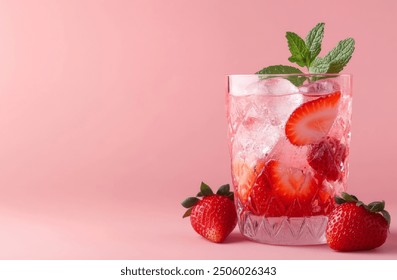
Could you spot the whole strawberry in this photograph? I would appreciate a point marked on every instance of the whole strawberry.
(214, 215)
(354, 226)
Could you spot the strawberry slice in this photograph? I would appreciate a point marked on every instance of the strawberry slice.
(263, 201)
(245, 177)
(311, 121)
(291, 184)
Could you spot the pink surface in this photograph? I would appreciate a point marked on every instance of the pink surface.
(111, 112)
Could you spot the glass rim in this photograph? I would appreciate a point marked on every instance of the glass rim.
(294, 75)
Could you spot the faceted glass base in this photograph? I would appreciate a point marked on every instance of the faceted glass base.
(284, 230)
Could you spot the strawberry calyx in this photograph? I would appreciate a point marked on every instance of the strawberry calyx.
(205, 190)
(373, 207)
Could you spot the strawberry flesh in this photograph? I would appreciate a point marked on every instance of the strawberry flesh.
(312, 121)
(244, 178)
(291, 183)
(325, 201)
(262, 199)
(327, 158)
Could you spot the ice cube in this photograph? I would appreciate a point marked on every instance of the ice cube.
(279, 86)
(289, 154)
(281, 107)
(255, 85)
(254, 135)
(254, 143)
(261, 116)
(246, 109)
(282, 97)
(320, 87)
(273, 86)
(238, 84)
(274, 99)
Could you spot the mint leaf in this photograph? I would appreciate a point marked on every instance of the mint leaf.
(319, 66)
(314, 39)
(299, 51)
(339, 56)
(305, 54)
(283, 69)
(279, 69)
(335, 60)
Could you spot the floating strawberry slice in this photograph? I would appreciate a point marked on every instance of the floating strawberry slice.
(311, 121)
(291, 184)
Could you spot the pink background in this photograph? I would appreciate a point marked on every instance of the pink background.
(112, 112)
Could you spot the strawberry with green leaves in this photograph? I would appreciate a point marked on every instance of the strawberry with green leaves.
(213, 216)
(354, 226)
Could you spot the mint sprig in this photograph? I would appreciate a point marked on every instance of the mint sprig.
(304, 52)
(283, 69)
(314, 39)
(336, 59)
(299, 51)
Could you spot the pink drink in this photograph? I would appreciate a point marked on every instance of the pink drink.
(289, 148)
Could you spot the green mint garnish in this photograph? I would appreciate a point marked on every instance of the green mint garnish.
(299, 52)
(319, 66)
(279, 69)
(305, 54)
(282, 69)
(336, 59)
(314, 39)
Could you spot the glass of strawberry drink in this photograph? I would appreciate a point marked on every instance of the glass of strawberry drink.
(289, 149)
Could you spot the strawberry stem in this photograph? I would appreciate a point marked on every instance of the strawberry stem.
(386, 215)
(190, 202)
(205, 190)
(373, 207)
(223, 190)
(187, 213)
